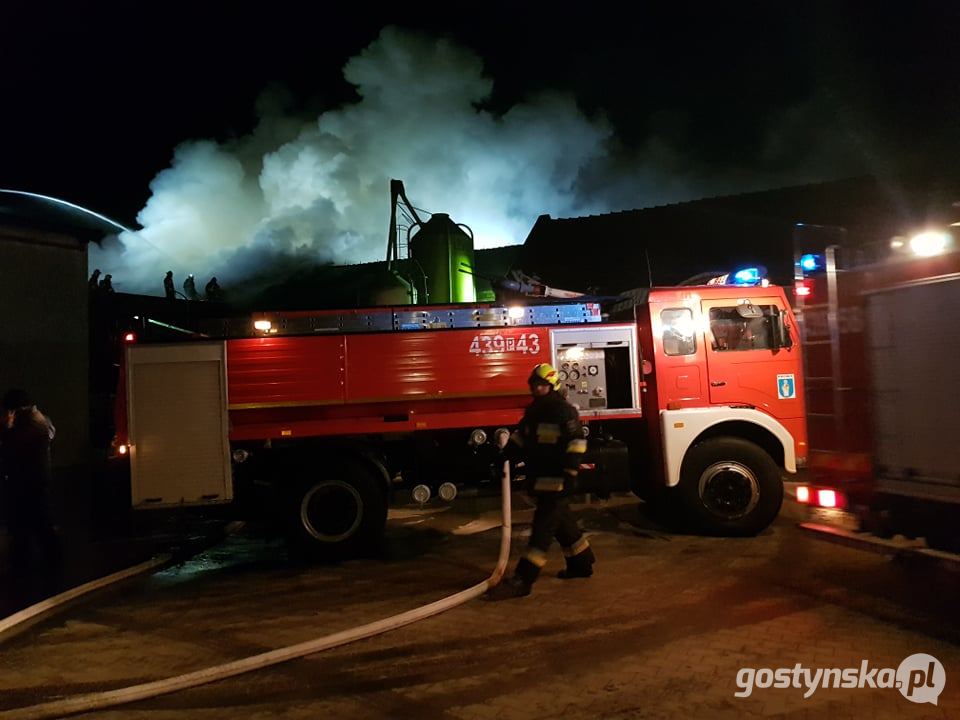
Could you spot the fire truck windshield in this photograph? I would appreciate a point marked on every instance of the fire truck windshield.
(732, 331)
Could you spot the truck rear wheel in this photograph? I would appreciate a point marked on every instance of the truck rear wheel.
(338, 514)
(730, 486)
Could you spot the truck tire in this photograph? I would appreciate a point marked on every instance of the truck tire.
(730, 486)
(339, 513)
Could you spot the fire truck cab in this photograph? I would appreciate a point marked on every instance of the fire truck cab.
(692, 395)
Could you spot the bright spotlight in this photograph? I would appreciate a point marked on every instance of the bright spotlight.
(927, 244)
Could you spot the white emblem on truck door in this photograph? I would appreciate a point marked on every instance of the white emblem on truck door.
(786, 387)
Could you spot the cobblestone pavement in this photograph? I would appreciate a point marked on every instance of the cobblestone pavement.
(660, 631)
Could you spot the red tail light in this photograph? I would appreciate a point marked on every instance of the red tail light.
(130, 338)
(802, 288)
(827, 498)
(803, 494)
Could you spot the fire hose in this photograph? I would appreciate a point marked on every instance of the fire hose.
(134, 693)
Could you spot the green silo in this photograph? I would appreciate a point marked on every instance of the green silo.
(440, 251)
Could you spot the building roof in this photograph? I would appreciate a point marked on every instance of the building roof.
(38, 212)
(663, 245)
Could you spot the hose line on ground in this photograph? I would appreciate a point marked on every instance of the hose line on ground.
(134, 693)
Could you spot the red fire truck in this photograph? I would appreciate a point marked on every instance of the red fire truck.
(693, 391)
(881, 350)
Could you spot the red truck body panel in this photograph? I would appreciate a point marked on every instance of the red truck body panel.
(286, 386)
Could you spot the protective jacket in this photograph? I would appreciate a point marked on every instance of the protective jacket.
(550, 440)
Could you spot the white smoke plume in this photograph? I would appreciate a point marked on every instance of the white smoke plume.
(319, 191)
(296, 192)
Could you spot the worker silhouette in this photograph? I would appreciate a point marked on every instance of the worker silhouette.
(168, 288)
(106, 285)
(212, 290)
(25, 438)
(94, 282)
(190, 288)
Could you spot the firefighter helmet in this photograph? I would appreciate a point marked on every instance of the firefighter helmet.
(546, 374)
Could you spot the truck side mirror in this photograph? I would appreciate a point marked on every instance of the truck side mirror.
(780, 329)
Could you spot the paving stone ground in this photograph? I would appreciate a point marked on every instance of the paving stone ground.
(660, 631)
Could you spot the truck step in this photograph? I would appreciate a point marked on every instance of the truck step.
(899, 548)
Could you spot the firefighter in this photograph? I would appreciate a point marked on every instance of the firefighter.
(25, 465)
(550, 440)
(106, 285)
(212, 289)
(168, 288)
(94, 282)
(190, 288)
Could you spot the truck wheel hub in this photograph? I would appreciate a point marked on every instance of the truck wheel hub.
(331, 511)
(729, 489)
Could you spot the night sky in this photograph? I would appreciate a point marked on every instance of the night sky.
(94, 101)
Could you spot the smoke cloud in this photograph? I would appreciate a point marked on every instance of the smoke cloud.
(318, 191)
(297, 192)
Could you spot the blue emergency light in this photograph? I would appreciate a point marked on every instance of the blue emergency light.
(748, 276)
(811, 262)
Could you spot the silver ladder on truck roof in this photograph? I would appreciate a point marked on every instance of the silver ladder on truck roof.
(389, 319)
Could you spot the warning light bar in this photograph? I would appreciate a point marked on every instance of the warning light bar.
(747, 276)
(750, 276)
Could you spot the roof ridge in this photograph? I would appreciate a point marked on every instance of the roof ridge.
(710, 198)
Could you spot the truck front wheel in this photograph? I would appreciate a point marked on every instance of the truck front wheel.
(730, 486)
(338, 514)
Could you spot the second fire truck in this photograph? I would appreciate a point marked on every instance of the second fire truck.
(881, 347)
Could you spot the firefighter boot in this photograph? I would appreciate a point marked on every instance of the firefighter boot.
(513, 587)
(579, 565)
(528, 569)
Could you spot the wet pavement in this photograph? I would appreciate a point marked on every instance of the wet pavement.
(662, 630)
(89, 553)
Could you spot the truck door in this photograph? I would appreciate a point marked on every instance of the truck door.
(744, 365)
(177, 412)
